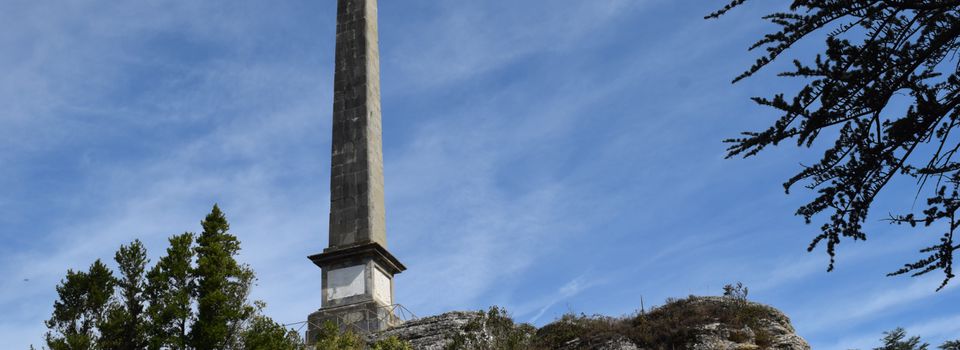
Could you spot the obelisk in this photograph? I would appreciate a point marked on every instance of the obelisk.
(357, 268)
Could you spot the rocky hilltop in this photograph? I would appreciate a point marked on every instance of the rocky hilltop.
(696, 323)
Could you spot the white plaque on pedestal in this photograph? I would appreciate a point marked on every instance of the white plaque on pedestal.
(345, 282)
(381, 284)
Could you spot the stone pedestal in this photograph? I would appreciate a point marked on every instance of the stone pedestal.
(363, 317)
(357, 289)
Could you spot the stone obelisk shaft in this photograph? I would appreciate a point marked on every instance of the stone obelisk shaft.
(358, 270)
(356, 183)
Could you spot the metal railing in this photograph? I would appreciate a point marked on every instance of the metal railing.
(370, 321)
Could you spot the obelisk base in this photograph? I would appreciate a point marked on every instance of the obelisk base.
(363, 317)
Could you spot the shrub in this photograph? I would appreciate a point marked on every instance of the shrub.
(504, 333)
(331, 337)
(391, 343)
(587, 331)
(677, 323)
(674, 325)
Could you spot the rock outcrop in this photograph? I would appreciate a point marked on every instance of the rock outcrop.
(617, 343)
(715, 323)
(436, 332)
(771, 329)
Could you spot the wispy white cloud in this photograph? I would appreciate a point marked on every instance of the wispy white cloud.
(458, 40)
(568, 290)
(848, 310)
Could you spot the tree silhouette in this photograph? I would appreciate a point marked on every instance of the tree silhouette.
(124, 325)
(878, 54)
(897, 340)
(169, 294)
(80, 309)
(222, 286)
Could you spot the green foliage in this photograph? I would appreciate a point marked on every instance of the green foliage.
(674, 325)
(80, 308)
(391, 343)
(585, 330)
(504, 333)
(265, 334)
(877, 53)
(330, 337)
(897, 340)
(154, 310)
(736, 292)
(168, 292)
(568, 328)
(222, 286)
(124, 327)
(950, 345)
(677, 322)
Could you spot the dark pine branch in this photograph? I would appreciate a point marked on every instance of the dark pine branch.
(875, 50)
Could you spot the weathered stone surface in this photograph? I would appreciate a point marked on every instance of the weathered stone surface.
(356, 180)
(436, 332)
(716, 336)
(785, 338)
(773, 331)
(357, 268)
(359, 317)
(619, 343)
(774, 327)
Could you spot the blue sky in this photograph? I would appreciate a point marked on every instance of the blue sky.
(544, 155)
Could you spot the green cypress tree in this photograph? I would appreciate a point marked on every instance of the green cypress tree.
(222, 286)
(169, 293)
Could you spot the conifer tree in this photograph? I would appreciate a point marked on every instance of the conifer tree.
(68, 328)
(878, 55)
(950, 345)
(897, 340)
(169, 294)
(96, 310)
(222, 286)
(123, 327)
(82, 301)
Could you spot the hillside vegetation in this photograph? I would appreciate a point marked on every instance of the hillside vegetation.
(727, 322)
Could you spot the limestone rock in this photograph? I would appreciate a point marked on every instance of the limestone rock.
(772, 330)
(767, 328)
(436, 332)
(618, 343)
